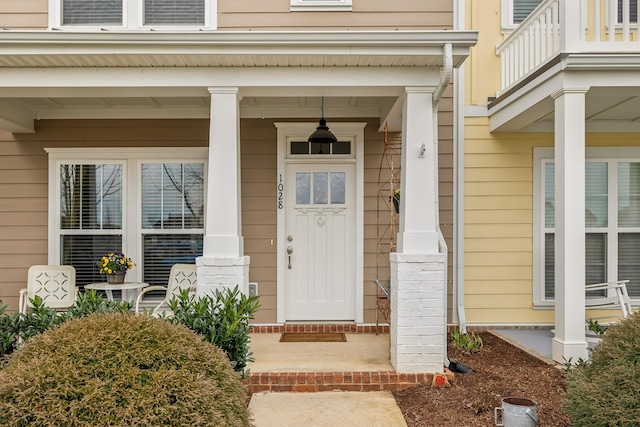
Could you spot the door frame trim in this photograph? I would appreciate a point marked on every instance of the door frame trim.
(350, 130)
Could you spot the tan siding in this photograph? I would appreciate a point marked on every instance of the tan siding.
(23, 194)
(24, 188)
(23, 14)
(365, 15)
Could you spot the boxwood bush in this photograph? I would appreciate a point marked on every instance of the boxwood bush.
(114, 369)
(606, 392)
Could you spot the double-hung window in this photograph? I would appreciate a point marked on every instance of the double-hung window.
(612, 219)
(132, 14)
(148, 205)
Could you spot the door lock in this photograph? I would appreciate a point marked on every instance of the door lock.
(289, 251)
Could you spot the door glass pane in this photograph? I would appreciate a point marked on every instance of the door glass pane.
(91, 197)
(596, 195)
(320, 148)
(161, 251)
(174, 12)
(303, 188)
(320, 188)
(628, 264)
(91, 12)
(172, 195)
(549, 195)
(299, 147)
(341, 147)
(83, 251)
(337, 188)
(629, 194)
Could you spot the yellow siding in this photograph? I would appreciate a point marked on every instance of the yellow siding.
(498, 176)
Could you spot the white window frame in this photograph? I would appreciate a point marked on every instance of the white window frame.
(543, 155)
(133, 18)
(131, 159)
(321, 5)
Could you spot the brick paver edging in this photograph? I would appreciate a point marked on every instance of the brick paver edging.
(345, 381)
(351, 328)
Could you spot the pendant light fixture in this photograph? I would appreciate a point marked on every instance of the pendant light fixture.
(322, 133)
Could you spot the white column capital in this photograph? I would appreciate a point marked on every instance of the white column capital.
(570, 91)
(223, 90)
(419, 89)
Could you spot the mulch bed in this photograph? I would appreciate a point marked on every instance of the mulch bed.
(499, 370)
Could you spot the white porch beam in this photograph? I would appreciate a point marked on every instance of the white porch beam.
(391, 115)
(16, 119)
(255, 81)
(569, 341)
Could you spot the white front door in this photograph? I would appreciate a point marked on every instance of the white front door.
(320, 241)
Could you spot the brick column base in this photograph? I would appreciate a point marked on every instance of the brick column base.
(418, 312)
(222, 273)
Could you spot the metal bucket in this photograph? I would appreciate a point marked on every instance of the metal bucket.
(517, 412)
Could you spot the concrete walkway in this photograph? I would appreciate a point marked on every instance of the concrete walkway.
(326, 409)
(361, 352)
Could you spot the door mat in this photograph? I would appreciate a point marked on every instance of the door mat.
(313, 337)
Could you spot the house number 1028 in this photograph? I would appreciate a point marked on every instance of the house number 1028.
(280, 194)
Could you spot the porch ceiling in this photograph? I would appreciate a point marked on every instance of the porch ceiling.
(612, 101)
(67, 75)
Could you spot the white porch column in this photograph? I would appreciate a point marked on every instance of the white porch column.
(418, 315)
(569, 341)
(223, 264)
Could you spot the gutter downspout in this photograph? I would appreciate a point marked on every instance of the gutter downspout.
(458, 177)
(445, 78)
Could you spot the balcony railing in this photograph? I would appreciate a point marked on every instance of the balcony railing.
(561, 26)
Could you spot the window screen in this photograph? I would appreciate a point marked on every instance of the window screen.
(522, 9)
(633, 11)
(92, 12)
(174, 12)
(172, 202)
(90, 201)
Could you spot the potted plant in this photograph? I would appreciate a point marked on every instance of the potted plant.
(115, 266)
(395, 198)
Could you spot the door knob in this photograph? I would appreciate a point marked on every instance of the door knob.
(289, 251)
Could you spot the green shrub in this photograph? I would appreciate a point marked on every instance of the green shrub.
(223, 319)
(467, 343)
(606, 392)
(120, 370)
(8, 334)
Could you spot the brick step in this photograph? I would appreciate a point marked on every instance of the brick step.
(345, 381)
(350, 328)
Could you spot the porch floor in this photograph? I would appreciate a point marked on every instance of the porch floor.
(359, 364)
(536, 342)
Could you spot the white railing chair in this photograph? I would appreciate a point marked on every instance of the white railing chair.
(182, 276)
(615, 296)
(55, 284)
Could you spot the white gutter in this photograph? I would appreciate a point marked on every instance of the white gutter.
(458, 178)
(445, 78)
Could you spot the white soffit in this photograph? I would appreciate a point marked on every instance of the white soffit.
(44, 49)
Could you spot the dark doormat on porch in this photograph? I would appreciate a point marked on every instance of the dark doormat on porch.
(313, 337)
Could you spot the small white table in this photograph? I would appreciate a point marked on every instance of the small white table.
(130, 290)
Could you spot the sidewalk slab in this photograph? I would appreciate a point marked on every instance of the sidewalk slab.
(326, 409)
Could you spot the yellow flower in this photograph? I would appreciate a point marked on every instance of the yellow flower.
(109, 271)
